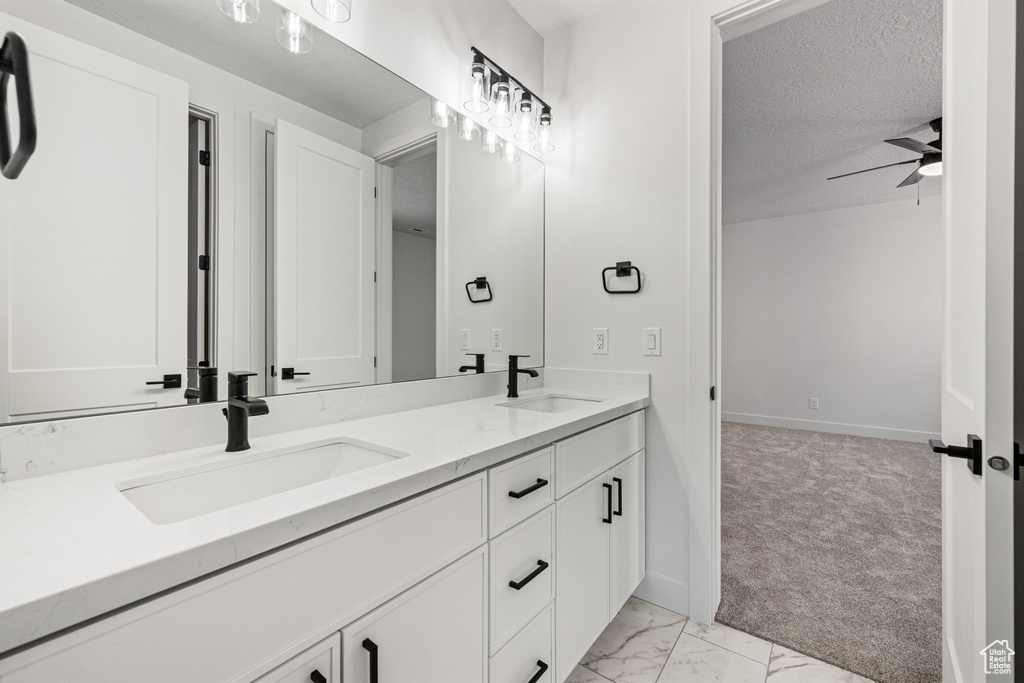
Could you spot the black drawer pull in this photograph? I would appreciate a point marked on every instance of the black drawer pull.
(541, 566)
(14, 62)
(608, 488)
(317, 677)
(168, 382)
(541, 483)
(618, 513)
(371, 647)
(536, 677)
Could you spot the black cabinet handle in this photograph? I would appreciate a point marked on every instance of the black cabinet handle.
(169, 382)
(618, 513)
(371, 647)
(317, 677)
(289, 373)
(14, 62)
(608, 488)
(541, 483)
(518, 585)
(536, 677)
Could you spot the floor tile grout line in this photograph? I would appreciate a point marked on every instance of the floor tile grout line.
(686, 620)
(768, 669)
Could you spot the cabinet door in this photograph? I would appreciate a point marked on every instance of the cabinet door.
(320, 664)
(434, 632)
(626, 538)
(581, 572)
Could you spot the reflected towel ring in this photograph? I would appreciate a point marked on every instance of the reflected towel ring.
(622, 269)
(479, 283)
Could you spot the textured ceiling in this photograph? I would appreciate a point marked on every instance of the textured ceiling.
(815, 95)
(332, 78)
(547, 16)
(414, 203)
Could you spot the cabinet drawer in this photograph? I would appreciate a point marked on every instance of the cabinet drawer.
(518, 477)
(523, 555)
(528, 654)
(580, 458)
(324, 659)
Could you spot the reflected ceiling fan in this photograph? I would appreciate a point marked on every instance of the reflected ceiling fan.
(930, 163)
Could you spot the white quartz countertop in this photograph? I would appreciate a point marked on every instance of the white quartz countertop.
(72, 547)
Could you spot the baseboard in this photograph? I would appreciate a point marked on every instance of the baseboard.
(831, 427)
(665, 592)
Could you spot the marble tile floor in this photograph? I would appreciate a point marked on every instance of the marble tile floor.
(648, 644)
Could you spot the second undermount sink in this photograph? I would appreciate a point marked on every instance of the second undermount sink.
(191, 492)
(550, 403)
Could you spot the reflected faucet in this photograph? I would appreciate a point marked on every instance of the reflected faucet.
(240, 407)
(478, 368)
(206, 392)
(513, 375)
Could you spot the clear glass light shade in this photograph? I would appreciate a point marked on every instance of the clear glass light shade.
(544, 140)
(501, 97)
(477, 82)
(441, 114)
(489, 141)
(242, 11)
(509, 152)
(526, 121)
(294, 34)
(338, 11)
(932, 169)
(468, 128)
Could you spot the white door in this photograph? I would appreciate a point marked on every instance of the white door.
(977, 373)
(626, 556)
(323, 263)
(94, 234)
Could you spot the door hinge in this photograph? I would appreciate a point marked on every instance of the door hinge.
(375, 193)
(375, 276)
(204, 262)
(712, 393)
(375, 361)
(204, 158)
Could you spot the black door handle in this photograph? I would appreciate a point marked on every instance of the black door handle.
(518, 585)
(1018, 461)
(317, 677)
(371, 647)
(972, 452)
(168, 382)
(541, 483)
(608, 488)
(618, 513)
(536, 677)
(289, 373)
(14, 62)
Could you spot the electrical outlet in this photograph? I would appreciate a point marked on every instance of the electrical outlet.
(652, 341)
(601, 340)
(812, 403)
(496, 339)
(464, 344)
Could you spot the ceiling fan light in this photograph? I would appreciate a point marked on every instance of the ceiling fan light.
(931, 168)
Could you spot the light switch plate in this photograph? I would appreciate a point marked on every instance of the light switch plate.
(496, 339)
(652, 341)
(464, 344)
(601, 341)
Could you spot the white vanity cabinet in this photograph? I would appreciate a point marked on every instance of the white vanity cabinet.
(318, 664)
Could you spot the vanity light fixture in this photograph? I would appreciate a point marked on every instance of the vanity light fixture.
(338, 11)
(526, 118)
(478, 86)
(509, 152)
(441, 114)
(242, 11)
(294, 33)
(501, 96)
(489, 141)
(468, 128)
(544, 137)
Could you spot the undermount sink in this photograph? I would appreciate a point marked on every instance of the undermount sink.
(184, 494)
(550, 403)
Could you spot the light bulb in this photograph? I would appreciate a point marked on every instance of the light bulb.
(502, 97)
(526, 121)
(468, 129)
(294, 33)
(441, 114)
(509, 152)
(489, 141)
(478, 86)
(242, 11)
(338, 11)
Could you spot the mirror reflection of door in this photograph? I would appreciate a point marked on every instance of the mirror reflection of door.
(201, 265)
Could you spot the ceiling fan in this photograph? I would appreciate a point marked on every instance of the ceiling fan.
(930, 163)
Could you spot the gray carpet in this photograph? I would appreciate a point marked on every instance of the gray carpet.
(831, 546)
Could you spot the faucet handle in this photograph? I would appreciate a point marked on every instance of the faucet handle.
(476, 355)
(240, 377)
(516, 355)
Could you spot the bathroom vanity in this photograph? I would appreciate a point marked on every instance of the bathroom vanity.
(487, 540)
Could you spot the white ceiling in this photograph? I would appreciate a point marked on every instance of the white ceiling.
(547, 16)
(815, 95)
(331, 78)
(414, 202)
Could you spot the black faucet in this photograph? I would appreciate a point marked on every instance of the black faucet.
(206, 392)
(478, 368)
(240, 407)
(513, 375)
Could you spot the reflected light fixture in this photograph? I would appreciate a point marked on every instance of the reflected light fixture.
(489, 141)
(509, 152)
(931, 165)
(544, 136)
(468, 128)
(338, 11)
(478, 86)
(294, 33)
(501, 96)
(242, 11)
(526, 119)
(441, 115)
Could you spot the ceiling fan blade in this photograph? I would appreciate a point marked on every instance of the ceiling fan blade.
(913, 145)
(912, 179)
(898, 163)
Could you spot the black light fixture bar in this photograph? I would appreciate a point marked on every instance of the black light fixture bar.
(495, 67)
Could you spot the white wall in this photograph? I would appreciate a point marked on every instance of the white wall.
(615, 191)
(844, 306)
(414, 307)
